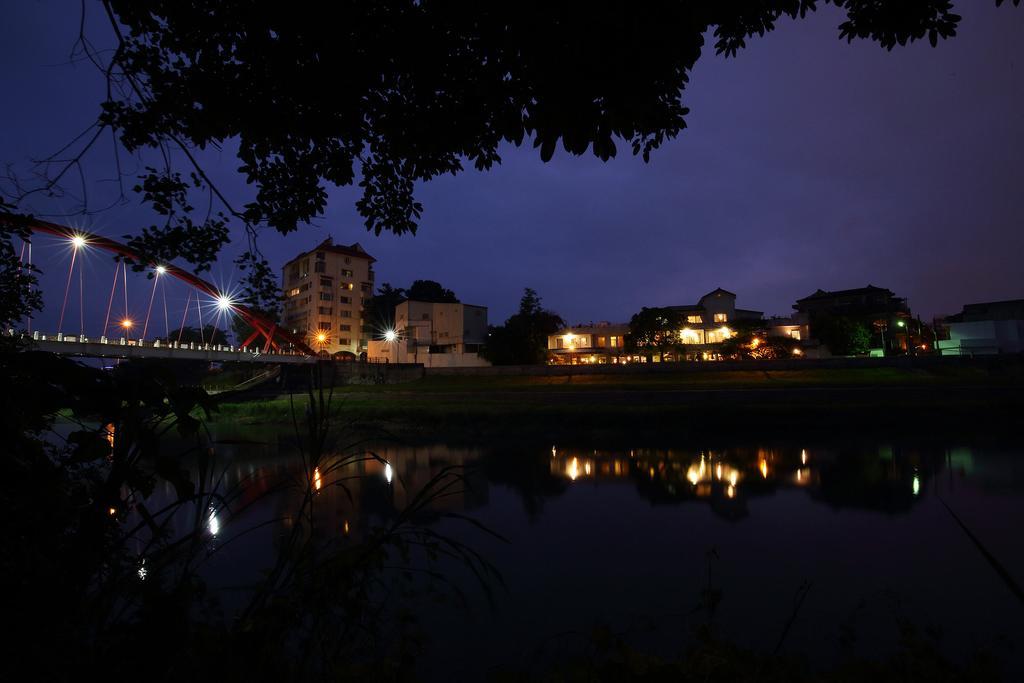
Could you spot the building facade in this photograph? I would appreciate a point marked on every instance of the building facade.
(324, 294)
(589, 344)
(712, 319)
(985, 328)
(435, 335)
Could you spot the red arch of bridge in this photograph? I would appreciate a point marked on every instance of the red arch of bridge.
(261, 324)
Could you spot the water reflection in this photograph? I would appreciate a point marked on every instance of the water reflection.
(884, 478)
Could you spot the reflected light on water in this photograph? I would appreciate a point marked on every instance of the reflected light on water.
(213, 524)
(317, 483)
(803, 456)
(388, 472)
(574, 469)
(763, 466)
(917, 485)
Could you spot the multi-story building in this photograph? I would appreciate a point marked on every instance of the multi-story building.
(324, 291)
(708, 321)
(435, 335)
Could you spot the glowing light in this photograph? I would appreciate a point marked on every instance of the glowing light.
(390, 335)
(224, 303)
(718, 471)
(317, 483)
(574, 469)
(113, 511)
(554, 452)
(78, 241)
(731, 491)
(389, 474)
(127, 323)
(344, 528)
(799, 474)
(764, 468)
(754, 343)
(693, 476)
(803, 456)
(917, 485)
(143, 572)
(797, 352)
(321, 338)
(900, 323)
(733, 478)
(587, 468)
(160, 270)
(213, 524)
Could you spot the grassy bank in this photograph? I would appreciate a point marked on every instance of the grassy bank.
(855, 400)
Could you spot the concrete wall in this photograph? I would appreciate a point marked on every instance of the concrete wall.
(713, 366)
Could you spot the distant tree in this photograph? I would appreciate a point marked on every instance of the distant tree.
(843, 336)
(379, 309)
(19, 295)
(755, 344)
(428, 290)
(655, 330)
(523, 339)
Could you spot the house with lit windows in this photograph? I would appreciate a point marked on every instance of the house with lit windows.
(599, 343)
(324, 291)
(711, 321)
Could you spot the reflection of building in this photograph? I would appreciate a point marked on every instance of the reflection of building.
(725, 479)
(434, 334)
(985, 328)
(323, 296)
(586, 344)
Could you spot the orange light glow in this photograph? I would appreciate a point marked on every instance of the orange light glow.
(317, 483)
(127, 323)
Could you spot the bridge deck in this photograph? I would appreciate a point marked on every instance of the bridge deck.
(123, 348)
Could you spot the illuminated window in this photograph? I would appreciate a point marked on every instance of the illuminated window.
(345, 272)
(600, 342)
(349, 286)
(721, 318)
(694, 319)
(795, 334)
(614, 342)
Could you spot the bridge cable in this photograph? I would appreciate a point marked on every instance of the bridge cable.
(199, 309)
(184, 315)
(110, 301)
(67, 288)
(149, 310)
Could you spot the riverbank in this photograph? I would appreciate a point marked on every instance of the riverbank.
(963, 399)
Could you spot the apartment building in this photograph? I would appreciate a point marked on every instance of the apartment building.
(324, 290)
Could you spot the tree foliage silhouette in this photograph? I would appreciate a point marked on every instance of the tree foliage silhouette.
(389, 94)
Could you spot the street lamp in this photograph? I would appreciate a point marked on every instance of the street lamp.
(126, 325)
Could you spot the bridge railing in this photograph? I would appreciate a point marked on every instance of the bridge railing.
(155, 344)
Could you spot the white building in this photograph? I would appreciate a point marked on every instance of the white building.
(437, 335)
(986, 328)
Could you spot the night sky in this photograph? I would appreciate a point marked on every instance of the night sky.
(808, 163)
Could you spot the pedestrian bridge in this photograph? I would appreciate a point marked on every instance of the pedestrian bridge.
(85, 347)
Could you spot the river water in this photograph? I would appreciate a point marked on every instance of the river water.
(631, 536)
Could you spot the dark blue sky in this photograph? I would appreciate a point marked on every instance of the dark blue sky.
(807, 163)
